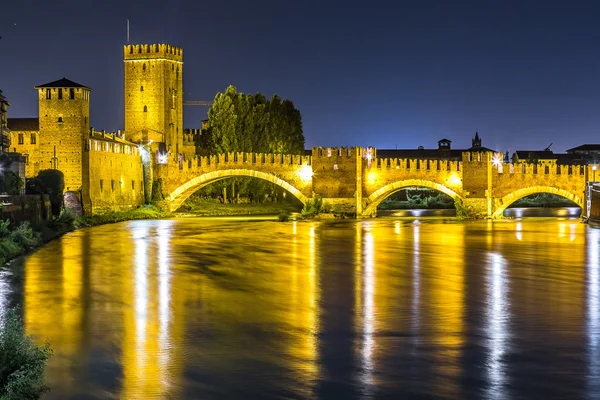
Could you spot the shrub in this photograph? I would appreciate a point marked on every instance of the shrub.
(4, 228)
(65, 222)
(22, 363)
(11, 183)
(25, 237)
(283, 217)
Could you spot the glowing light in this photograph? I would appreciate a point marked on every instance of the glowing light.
(397, 227)
(519, 231)
(162, 158)
(371, 177)
(305, 173)
(497, 160)
(454, 179)
(594, 167)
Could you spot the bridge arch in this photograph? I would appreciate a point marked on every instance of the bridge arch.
(384, 192)
(510, 198)
(179, 195)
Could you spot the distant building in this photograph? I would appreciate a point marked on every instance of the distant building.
(588, 152)
(4, 132)
(444, 151)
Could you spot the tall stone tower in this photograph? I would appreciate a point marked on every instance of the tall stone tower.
(64, 110)
(154, 95)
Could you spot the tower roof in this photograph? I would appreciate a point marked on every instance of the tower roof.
(62, 83)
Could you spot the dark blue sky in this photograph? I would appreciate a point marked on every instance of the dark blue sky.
(522, 73)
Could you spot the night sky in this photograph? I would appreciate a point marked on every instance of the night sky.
(524, 74)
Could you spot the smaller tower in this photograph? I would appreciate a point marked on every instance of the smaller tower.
(64, 109)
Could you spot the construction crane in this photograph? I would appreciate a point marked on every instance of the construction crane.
(198, 103)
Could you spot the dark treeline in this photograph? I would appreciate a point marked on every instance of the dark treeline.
(250, 123)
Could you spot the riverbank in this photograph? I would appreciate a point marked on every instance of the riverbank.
(146, 212)
(208, 208)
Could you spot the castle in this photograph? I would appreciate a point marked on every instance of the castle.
(105, 170)
(116, 171)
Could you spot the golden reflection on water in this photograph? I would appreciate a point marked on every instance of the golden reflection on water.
(158, 298)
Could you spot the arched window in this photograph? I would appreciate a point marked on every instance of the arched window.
(143, 67)
(60, 119)
(142, 89)
(145, 108)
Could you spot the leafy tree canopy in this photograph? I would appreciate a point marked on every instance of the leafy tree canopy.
(251, 123)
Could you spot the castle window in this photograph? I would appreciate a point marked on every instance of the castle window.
(72, 94)
(60, 94)
(132, 185)
(33, 138)
(60, 120)
(101, 184)
(26, 158)
(21, 139)
(48, 94)
(143, 67)
(112, 184)
(141, 89)
(145, 108)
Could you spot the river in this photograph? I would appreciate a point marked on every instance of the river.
(338, 309)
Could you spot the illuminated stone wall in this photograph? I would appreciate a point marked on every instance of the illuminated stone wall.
(30, 150)
(334, 172)
(181, 179)
(154, 94)
(114, 178)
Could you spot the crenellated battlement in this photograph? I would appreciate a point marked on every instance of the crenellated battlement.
(319, 152)
(242, 158)
(416, 164)
(152, 51)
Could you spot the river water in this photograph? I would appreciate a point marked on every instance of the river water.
(385, 308)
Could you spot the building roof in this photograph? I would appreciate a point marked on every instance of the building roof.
(585, 147)
(541, 155)
(433, 154)
(62, 83)
(480, 149)
(444, 140)
(23, 124)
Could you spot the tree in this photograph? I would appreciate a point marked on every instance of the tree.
(52, 183)
(22, 363)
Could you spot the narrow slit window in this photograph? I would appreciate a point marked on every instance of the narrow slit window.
(60, 94)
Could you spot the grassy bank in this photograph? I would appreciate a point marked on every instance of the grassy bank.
(146, 212)
(208, 207)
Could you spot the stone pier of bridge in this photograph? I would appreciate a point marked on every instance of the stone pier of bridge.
(355, 180)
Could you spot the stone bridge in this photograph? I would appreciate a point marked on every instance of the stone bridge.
(356, 180)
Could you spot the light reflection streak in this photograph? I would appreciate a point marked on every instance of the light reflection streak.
(3, 296)
(593, 306)
(519, 231)
(498, 316)
(164, 293)
(416, 278)
(397, 227)
(140, 284)
(368, 305)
